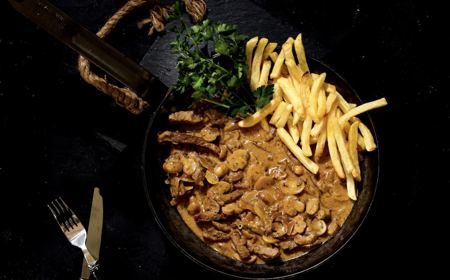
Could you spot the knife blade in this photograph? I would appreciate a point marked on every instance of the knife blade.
(65, 29)
(94, 235)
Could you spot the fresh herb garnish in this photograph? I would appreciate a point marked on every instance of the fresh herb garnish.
(212, 66)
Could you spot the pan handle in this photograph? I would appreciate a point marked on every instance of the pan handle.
(84, 42)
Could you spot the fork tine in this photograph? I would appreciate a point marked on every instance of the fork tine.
(72, 217)
(70, 214)
(63, 214)
(53, 211)
(67, 212)
(57, 215)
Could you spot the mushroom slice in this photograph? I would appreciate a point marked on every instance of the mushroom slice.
(269, 239)
(209, 134)
(333, 227)
(221, 170)
(288, 245)
(305, 239)
(292, 187)
(211, 178)
(317, 227)
(312, 205)
(278, 229)
(296, 226)
(173, 165)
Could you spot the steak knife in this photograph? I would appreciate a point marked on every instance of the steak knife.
(94, 235)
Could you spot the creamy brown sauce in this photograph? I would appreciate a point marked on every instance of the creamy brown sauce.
(244, 194)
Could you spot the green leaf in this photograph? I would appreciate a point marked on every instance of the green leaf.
(263, 95)
(197, 95)
(232, 81)
(198, 82)
(221, 47)
(195, 29)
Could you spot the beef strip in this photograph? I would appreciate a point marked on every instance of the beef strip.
(185, 117)
(239, 244)
(184, 138)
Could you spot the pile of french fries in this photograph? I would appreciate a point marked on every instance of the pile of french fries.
(308, 112)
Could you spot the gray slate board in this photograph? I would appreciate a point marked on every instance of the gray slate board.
(246, 15)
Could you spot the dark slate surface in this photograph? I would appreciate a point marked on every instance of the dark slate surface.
(58, 136)
(250, 19)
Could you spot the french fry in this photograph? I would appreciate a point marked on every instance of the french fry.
(287, 49)
(304, 92)
(320, 145)
(284, 116)
(321, 104)
(260, 114)
(317, 129)
(306, 131)
(290, 94)
(369, 142)
(293, 70)
(269, 50)
(301, 112)
(257, 62)
(315, 113)
(265, 124)
(353, 148)
(332, 97)
(360, 139)
(332, 149)
(296, 117)
(342, 147)
(362, 108)
(279, 63)
(274, 56)
(249, 47)
(300, 52)
(313, 97)
(351, 190)
(276, 70)
(298, 153)
(277, 92)
(278, 112)
(293, 130)
(329, 88)
(343, 104)
(264, 77)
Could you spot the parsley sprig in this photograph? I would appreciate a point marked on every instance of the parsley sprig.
(212, 67)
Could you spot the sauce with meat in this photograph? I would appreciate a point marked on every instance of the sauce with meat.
(243, 193)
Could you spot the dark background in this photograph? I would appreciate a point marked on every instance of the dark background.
(59, 136)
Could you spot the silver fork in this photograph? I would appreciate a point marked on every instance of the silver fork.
(73, 229)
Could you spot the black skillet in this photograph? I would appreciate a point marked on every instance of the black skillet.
(162, 102)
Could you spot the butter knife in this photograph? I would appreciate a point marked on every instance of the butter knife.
(94, 235)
